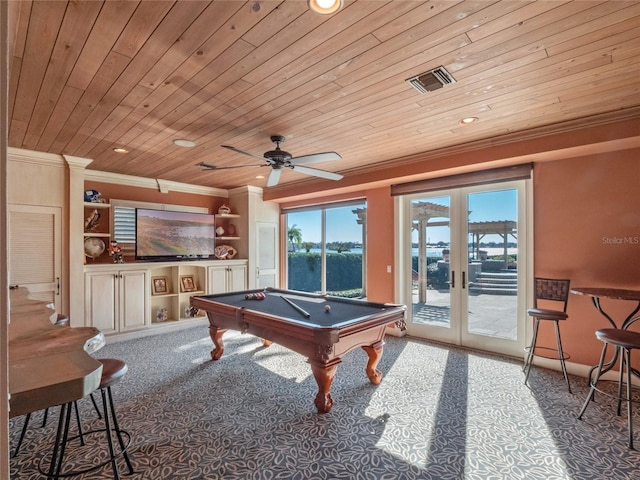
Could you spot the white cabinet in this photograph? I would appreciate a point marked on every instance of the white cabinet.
(116, 300)
(134, 297)
(228, 277)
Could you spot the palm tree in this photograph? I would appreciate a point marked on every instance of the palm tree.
(295, 236)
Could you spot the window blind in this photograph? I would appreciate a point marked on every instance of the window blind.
(124, 228)
(494, 175)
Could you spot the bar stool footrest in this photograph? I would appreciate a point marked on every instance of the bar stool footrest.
(73, 473)
(557, 356)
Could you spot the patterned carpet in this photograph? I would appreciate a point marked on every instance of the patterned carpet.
(439, 413)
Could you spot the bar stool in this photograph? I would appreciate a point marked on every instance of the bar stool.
(625, 341)
(555, 291)
(112, 371)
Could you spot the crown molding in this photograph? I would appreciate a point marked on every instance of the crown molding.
(35, 157)
(163, 186)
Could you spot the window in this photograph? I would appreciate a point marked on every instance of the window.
(326, 249)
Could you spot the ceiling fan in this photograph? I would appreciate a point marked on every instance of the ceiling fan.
(278, 159)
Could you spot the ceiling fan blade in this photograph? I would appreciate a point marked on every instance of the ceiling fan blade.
(208, 166)
(316, 157)
(255, 155)
(274, 177)
(317, 173)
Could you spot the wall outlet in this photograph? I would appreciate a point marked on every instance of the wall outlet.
(388, 268)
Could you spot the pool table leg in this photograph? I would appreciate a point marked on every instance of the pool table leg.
(375, 354)
(324, 376)
(216, 337)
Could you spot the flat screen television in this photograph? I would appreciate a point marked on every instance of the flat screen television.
(167, 235)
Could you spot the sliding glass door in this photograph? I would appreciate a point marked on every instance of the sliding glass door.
(466, 280)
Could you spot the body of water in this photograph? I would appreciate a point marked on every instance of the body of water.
(431, 251)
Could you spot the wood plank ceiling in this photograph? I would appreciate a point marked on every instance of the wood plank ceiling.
(89, 76)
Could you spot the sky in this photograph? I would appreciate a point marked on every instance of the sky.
(342, 226)
(483, 207)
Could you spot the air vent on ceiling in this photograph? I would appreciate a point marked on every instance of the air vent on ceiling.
(431, 80)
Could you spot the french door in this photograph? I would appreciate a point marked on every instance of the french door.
(468, 259)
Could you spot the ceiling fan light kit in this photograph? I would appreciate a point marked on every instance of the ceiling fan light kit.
(278, 159)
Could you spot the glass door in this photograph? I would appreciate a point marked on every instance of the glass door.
(467, 283)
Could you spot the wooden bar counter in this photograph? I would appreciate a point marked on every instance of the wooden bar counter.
(48, 364)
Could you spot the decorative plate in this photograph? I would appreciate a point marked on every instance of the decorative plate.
(93, 247)
(225, 252)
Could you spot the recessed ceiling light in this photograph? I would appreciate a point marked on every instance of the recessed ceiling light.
(326, 7)
(468, 120)
(184, 143)
(121, 150)
(259, 176)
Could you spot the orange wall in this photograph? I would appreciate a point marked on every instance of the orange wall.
(380, 245)
(581, 206)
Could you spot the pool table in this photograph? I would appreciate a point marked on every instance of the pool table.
(321, 328)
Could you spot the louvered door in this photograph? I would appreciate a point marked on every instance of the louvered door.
(35, 251)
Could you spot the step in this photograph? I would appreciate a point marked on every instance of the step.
(497, 281)
(493, 290)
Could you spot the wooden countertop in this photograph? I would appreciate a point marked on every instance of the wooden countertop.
(604, 292)
(48, 364)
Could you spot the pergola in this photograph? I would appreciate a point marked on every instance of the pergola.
(504, 228)
(421, 215)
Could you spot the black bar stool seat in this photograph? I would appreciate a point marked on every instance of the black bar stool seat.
(625, 341)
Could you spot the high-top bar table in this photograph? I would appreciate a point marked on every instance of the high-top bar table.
(596, 294)
(49, 365)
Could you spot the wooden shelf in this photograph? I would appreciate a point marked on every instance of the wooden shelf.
(96, 205)
(96, 234)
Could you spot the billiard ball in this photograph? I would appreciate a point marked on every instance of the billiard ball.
(327, 308)
(249, 296)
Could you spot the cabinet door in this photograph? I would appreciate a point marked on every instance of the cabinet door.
(100, 301)
(237, 279)
(133, 309)
(218, 279)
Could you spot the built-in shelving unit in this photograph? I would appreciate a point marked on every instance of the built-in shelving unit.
(225, 221)
(97, 234)
(102, 228)
(181, 281)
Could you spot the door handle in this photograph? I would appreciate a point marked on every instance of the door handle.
(57, 285)
(464, 279)
(453, 279)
